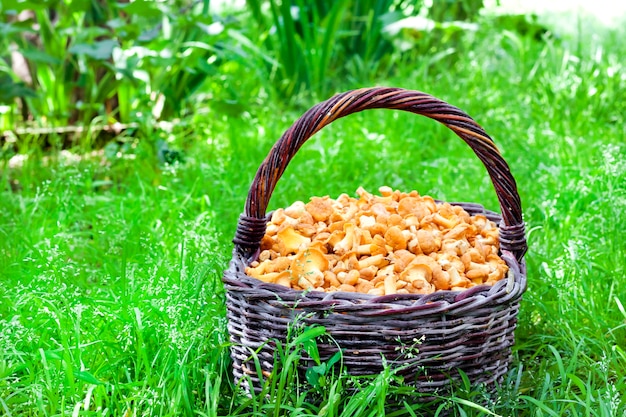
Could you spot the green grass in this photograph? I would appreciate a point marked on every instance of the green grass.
(111, 301)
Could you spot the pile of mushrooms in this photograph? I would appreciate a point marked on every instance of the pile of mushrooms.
(395, 243)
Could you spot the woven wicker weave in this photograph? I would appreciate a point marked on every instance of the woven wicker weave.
(472, 330)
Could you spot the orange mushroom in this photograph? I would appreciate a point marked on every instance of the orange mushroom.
(307, 268)
(292, 240)
(395, 238)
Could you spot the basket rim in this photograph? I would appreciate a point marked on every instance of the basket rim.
(514, 284)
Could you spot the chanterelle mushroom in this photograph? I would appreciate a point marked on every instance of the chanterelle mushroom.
(283, 278)
(292, 240)
(307, 268)
(457, 282)
(295, 210)
(419, 276)
(395, 242)
(428, 240)
(320, 208)
(350, 241)
(395, 238)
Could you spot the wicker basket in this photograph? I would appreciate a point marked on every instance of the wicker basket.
(472, 330)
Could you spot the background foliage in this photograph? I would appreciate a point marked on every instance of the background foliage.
(100, 62)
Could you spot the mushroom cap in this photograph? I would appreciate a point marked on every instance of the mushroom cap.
(480, 221)
(431, 263)
(408, 206)
(478, 272)
(457, 232)
(306, 229)
(411, 221)
(320, 246)
(395, 220)
(307, 268)
(415, 272)
(364, 286)
(448, 260)
(420, 278)
(455, 247)
(283, 278)
(383, 272)
(330, 279)
(368, 272)
(268, 277)
(385, 190)
(296, 210)
(260, 269)
(428, 240)
(378, 246)
(401, 259)
(380, 210)
(307, 261)
(267, 242)
(445, 222)
(346, 288)
(472, 255)
(278, 216)
(321, 208)
(279, 264)
(395, 238)
(265, 255)
(426, 260)
(312, 280)
(351, 277)
(365, 237)
(442, 281)
(366, 222)
(498, 268)
(292, 240)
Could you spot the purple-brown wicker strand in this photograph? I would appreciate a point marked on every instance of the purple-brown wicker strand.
(250, 231)
(513, 239)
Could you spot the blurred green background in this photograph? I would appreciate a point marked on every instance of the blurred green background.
(70, 70)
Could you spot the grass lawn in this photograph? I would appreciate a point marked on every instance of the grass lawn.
(111, 302)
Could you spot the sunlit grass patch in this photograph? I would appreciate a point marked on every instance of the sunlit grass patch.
(112, 298)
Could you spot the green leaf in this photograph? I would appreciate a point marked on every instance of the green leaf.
(312, 376)
(100, 50)
(19, 6)
(309, 333)
(469, 404)
(144, 8)
(311, 348)
(149, 35)
(334, 359)
(53, 355)
(8, 29)
(87, 377)
(35, 55)
(10, 89)
(542, 406)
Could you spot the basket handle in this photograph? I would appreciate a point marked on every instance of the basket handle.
(252, 222)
